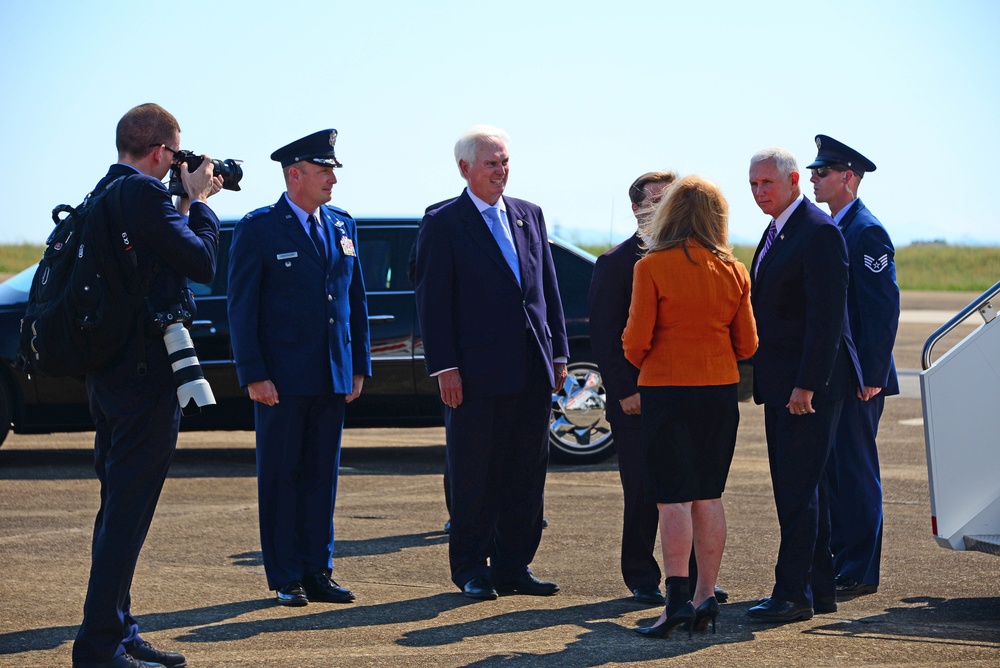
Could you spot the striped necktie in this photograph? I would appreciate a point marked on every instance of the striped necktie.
(772, 231)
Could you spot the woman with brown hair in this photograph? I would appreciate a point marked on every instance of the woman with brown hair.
(689, 322)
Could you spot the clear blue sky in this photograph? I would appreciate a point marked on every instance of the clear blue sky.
(592, 94)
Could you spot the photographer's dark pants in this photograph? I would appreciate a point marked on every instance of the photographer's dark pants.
(136, 419)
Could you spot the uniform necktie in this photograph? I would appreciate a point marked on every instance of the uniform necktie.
(772, 231)
(502, 234)
(317, 237)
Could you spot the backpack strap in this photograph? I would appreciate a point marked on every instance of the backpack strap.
(132, 264)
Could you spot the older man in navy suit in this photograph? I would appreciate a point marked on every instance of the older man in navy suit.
(299, 327)
(804, 368)
(853, 478)
(494, 336)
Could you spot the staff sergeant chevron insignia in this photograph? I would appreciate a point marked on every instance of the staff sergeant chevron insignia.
(877, 265)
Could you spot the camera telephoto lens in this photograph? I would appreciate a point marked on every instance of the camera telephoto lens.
(193, 391)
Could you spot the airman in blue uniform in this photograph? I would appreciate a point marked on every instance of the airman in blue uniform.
(853, 478)
(299, 326)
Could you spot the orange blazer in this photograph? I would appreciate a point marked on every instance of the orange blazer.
(689, 323)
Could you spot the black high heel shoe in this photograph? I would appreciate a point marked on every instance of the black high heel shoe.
(683, 616)
(704, 612)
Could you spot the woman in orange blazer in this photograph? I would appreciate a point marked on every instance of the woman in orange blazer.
(689, 322)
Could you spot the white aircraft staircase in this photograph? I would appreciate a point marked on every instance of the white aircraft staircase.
(961, 402)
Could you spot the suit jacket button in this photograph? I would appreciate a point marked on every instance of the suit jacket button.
(329, 298)
(332, 321)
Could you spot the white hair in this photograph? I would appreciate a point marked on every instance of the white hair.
(467, 146)
(783, 159)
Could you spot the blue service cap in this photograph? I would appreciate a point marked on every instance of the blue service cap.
(316, 148)
(832, 152)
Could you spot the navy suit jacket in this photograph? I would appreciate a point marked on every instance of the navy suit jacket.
(799, 296)
(872, 296)
(609, 301)
(295, 320)
(473, 314)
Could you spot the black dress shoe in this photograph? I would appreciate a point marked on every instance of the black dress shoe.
(122, 661)
(777, 610)
(292, 594)
(824, 605)
(685, 615)
(480, 589)
(319, 587)
(146, 652)
(848, 587)
(647, 595)
(529, 585)
(721, 595)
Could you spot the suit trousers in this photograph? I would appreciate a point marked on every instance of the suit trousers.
(136, 420)
(855, 490)
(498, 451)
(798, 447)
(298, 461)
(640, 519)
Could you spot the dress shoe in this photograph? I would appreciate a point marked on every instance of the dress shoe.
(721, 595)
(292, 594)
(146, 652)
(121, 661)
(647, 595)
(480, 589)
(447, 526)
(848, 587)
(685, 615)
(824, 605)
(708, 610)
(778, 610)
(319, 587)
(529, 585)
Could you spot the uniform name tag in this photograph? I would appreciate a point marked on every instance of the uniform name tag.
(287, 256)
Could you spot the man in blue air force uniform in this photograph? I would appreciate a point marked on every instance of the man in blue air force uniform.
(853, 477)
(299, 322)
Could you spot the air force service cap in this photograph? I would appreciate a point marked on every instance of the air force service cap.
(831, 152)
(316, 148)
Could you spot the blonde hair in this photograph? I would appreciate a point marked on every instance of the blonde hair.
(694, 208)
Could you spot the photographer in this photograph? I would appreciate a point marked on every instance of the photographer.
(133, 400)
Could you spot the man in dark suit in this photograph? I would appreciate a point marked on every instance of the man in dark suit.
(133, 400)
(299, 326)
(493, 334)
(804, 368)
(854, 481)
(609, 299)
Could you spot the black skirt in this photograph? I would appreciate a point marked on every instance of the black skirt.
(688, 437)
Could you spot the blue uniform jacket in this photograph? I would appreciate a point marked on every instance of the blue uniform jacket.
(293, 320)
(872, 296)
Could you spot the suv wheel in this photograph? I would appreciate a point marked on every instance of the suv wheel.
(579, 432)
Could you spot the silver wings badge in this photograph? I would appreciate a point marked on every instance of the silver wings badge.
(877, 265)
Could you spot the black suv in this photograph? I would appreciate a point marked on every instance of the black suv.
(399, 393)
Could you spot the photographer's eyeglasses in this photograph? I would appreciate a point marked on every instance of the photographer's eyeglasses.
(173, 153)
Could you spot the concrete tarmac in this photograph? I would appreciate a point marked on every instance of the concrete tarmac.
(199, 587)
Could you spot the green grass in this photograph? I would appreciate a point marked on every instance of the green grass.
(16, 257)
(921, 266)
(918, 266)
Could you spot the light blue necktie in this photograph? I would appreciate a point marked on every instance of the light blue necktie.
(501, 233)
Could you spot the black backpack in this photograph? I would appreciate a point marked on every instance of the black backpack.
(87, 300)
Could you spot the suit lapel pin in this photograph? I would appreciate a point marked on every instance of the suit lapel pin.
(520, 223)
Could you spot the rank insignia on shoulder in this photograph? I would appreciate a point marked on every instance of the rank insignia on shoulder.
(347, 246)
(876, 265)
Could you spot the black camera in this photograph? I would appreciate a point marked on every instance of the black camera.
(229, 170)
